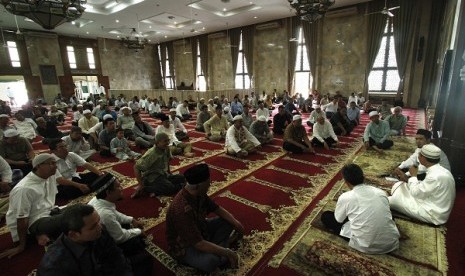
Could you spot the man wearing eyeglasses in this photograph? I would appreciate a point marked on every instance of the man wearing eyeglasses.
(32, 202)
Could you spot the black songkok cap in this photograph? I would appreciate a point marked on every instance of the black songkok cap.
(425, 133)
(196, 174)
(102, 182)
(163, 117)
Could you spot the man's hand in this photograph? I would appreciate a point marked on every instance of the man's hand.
(43, 239)
(84, 188)
(12, 252)
(233, 258)
(413, 170)
(326, 145)
(137, 224)
(367, 145)
(344, 132)
(400, 174)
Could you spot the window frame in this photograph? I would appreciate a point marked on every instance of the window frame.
(13, 51)
(301, 55)
(199, 72)
(241, 70)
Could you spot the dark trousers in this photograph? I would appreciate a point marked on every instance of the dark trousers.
(50, 226)
(330, 141)
(165, 186)
(330, 222)
(24, 168)
(106, 153)
(69, 192)
(347, 127)
(293, 148)
(387, 144)
(134, 250)
(219, 231)
(278, 130)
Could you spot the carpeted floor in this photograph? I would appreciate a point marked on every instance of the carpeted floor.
(272, 193)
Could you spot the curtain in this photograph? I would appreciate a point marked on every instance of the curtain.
(163, 62)
(248, 34)
(234, 39)
(170, 48)
(160, 69)
(310, 31)
(193, 41)
(203, 45)
(293, 24)
(404, 25)
(375, 23)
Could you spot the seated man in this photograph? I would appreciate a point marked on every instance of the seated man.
(236, 107)
(353, 113)
(56, 116)
(72, 184)
(239, 141)
(8, 179)
(377, 133)
(281, 120)
(180, 130)
(323, 133)
(153, 170)
(423, 137)
(31, 204)
(363, 216)
(4, 124)
(295, 137)
(263, 111)
(227, 114)
(314, 115)
(77, 114)
(105, 136)
(384, 109)
(261, 130)
(176, 147)
(155, 109)
(429, 200)
(48, 130)
(202, 117)
(341, 123)
(17, 151)
(87, 122)
(193, 239)
(126, 122)
(331, 108)
(76, 143)
(247, 118)
(397, 121)
(216, 126)
(26, 127)
(83, 233)
(108, 110)
(143, 131)
(182, 111)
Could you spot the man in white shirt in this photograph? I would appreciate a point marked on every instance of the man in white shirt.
(314, 115)
(155, 109)
(323, 134)
(239, 141)
(87, 122)
(176, 147)
(180, 130)
(78, 114)
(263, 111)
(362, 215)
(423, 137)
(331, 108)
(77, 144)
(182, 111)
(429, 200)
(72, 184)
(26, 127)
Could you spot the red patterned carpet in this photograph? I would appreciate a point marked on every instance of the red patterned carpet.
(270, 192)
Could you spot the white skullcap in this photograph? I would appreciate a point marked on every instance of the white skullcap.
(262, 118)
(226, 109)
(373, 113)
(79, 105)
(296, 117)
(202, 99)
(41, 158)
(173, 110)
(107, 116)
(11, 132)
(91, 102)
(237, 117)
(87, 111)
(4, 116)
(431, 151)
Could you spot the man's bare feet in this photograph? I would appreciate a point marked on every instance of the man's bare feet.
(42, 240)
(189, 154)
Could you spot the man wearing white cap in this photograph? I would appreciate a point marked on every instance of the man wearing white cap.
(4, 124)
(87, 122)
(126, 122)
(239, 141)
(228, 115)
(377, 133)
(314, 115)
(261, 130)
(17, 151)
(295, 137)
(32, 200)
(429, 200)
(180, 130)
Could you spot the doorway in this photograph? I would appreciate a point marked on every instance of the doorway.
(13, 87)
(85, 85)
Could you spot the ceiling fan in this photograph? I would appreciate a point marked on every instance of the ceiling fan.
(386, 10)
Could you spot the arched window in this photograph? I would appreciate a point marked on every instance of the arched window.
(242, 77)
(201, 83)
(302, 77)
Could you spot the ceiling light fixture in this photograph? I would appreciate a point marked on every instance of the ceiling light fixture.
(135, 40)
(311, 10)
(47, 13)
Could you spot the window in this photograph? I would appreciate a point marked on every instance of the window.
(14, 55)
(242, 77)
(71, 57)
(168, 78)
(302, 77)
(90, 58)
(384, 76)
(201, 83)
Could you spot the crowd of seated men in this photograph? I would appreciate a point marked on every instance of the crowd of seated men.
(31, 183)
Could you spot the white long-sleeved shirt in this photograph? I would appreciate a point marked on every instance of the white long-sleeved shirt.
(263, 112)
(5, 171)
(26, 128)
(331, 107)
(154, 108)
(323, 131)
(413, 161)
(112, 219)
(77, 115)
(181, 110)
(233, 143)
(314, 115)
(177, 124)
(171, 132)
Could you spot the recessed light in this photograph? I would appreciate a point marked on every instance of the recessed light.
(224, 9)
(117, 36)
(203, 28)
(255, 17)
(150, 40)
(150, 27)
(166, 36)
(175, 22)
(72, 22)
(117, 21)
(87, 32)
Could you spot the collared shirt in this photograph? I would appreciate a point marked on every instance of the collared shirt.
(181, 110)
(125, 122)
(100, 257)
(202, 117)
(235, 137)
(112, 219)
(186, 221)
(247, 120)
(33, 197)
(396, 122)
(236, 107)
(170, 131)
(216, 125)
(67, 166)
(370, 227)
(413, 161)
(353, 114)
(296, 133)
(177, 124)
(262, 112)
(5, 171)
(323, 131)
(259, 129)
(105, 136)
(314, 115)
(77, 116)
(378, 132)
(85, 124)
(17, 151)
(26, 128)
(154, 163)
(154, 108)
(78, 146)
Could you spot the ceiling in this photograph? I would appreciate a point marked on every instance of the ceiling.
(164, 20)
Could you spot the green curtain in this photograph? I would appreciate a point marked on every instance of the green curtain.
(160, 69)
(376, 23)
(170, 48)
(404, 23)
(293, 24)
(163, 62)
(203, 45)
(234, 39)
(310, 31)
(248, 34)
(193, 42)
